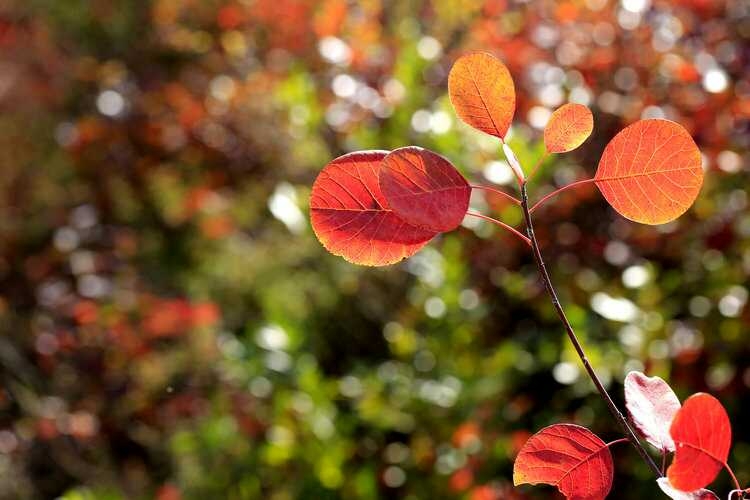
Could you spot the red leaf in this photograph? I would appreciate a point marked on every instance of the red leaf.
(568, 456)
(675, 494)
(424, 189)
(567, 128)
(482, 93)
(652, 405)
(702, 434)
(651, 171)
(351, 217)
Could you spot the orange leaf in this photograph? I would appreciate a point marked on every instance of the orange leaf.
(568, 456)
(702, 434)
(351, 217)
(481, 91)
(651, 171)
(424, 189)
(568, 127)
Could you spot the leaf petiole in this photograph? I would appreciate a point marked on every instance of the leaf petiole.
(734, 478)
(538, 164)
(560, 190)
(617, 441)
(501, 224)
(498, 192)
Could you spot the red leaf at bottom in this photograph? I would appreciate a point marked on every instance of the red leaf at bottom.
(568, 456)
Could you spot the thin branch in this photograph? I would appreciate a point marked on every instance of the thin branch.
(501, 224)
(731, 473)
(497, 191)
(560, 190)
(617, 441)
(538, 164)
(574, 339)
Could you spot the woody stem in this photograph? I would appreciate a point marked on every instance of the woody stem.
(574, 338)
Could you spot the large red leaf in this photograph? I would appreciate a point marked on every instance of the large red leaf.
(568, 127)
(651, 171)
(351, 217)
(424, 189)
(702, 435)
(675, 494)
(568, 456)
(481, 90)
(652, 405)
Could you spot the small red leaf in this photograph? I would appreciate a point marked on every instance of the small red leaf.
(568, 127)
(482, 93)
(702, 435)
(652, 405)
(351, 217)
(675, 494)
(651, 171)
(424, 189)
(568, 456)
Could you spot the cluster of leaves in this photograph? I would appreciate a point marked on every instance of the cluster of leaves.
(579, 463)
(378, 207)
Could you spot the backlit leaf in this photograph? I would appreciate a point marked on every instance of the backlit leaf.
(568, 127)
(567, 456)
(675, 494)
(702, 435)
(351, 217)
(424, 189)
(651, 171)
(482, 93)
(652, 405)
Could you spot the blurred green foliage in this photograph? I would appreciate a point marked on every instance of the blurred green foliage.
(170, 328)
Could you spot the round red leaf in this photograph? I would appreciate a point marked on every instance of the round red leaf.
(424, 189)
(352, 218)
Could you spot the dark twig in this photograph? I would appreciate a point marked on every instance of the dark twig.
(574, 339)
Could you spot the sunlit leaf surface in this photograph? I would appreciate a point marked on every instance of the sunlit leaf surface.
(481, 90)
(651, 171)
(424, 189)
(567, 456)
(351, 217)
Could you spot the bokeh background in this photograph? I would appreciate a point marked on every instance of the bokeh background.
(170, 328)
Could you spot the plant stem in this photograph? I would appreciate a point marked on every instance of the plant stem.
(617, 441)
(509, 197)
(560, 190)
(734, 478)
(501, 224)
(574, 339)
(538, 164)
